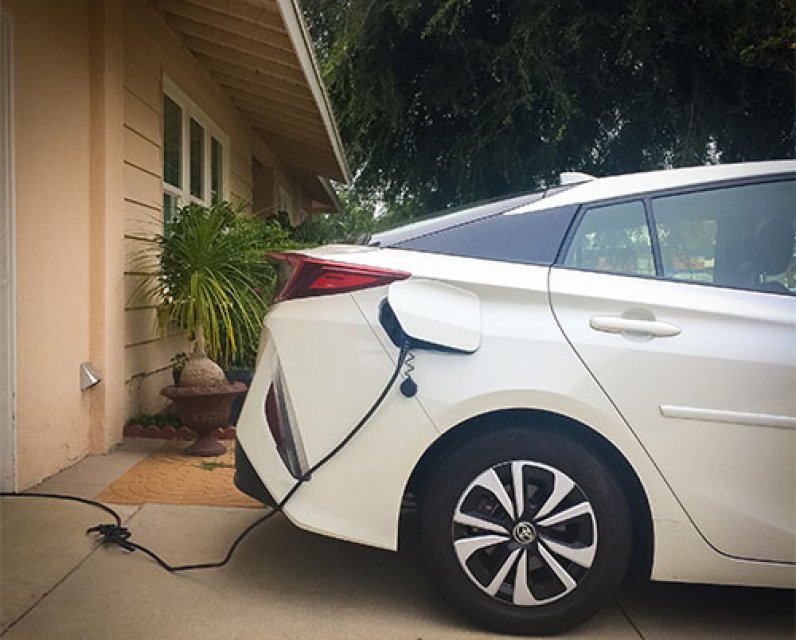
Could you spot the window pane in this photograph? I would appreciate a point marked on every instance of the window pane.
(529, 238)
(615, 239)
(736, 236)
(169, 210)
(197, 159)
(687, 238)
(216, 171)
(172, 142)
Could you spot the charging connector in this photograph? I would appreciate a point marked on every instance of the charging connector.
(409, 388)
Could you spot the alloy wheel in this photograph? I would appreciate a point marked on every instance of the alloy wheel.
(524, 533)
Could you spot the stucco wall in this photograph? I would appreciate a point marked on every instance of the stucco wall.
(51, 101)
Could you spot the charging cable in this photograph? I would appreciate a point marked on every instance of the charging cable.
(120, 535)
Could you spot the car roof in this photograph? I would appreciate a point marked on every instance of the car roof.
(649, 181)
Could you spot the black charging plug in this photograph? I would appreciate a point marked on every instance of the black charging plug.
(409, 387)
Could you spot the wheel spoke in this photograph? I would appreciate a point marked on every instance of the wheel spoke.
(519, 487)
(522, 591)
(468, 546)
(562, 485)
(580, 509)
(469, 520)
(583, 556)
(489, 480)
(561, 573)
(514, 555)
(500, 577)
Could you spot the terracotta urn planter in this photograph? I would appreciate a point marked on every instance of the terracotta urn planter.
(205, 409)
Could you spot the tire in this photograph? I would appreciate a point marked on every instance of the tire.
(571, 540)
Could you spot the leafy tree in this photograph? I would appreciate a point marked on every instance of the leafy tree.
(363, 213)
(356, 220)
(446, 102)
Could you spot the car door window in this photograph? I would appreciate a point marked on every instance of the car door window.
(613, 238)
(740, 236)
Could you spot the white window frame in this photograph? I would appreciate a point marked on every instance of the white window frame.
(191, 111)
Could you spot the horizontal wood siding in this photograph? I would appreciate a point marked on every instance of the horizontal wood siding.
(143, 391)
(142, 187)
(142, 76)
(150, 357)
(152, 50)
(142, 221)
(143, 118)
(140, 151)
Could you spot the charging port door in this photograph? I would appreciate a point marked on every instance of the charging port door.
(436, 315)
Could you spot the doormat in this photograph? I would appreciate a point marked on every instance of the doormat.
(168, 476)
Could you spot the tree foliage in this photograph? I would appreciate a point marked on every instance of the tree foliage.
(445, 102)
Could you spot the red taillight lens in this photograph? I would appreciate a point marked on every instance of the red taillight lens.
(274, 418)
(310, 277)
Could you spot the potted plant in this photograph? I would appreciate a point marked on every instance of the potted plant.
(208, 279)
(272, 234)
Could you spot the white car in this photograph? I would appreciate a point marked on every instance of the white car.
(564, 381)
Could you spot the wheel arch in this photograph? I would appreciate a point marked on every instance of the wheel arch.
(541, 420)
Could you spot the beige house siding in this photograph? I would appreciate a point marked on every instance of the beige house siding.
(152, 51)
(52, 205)
(88, 80)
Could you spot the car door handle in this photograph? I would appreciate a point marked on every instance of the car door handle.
(618, 324)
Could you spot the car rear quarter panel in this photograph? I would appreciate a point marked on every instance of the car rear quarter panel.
(523, 362)
(334, 369)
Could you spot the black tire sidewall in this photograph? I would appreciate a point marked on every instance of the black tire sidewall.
(461, 466)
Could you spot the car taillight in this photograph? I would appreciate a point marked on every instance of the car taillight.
(306, 277)
(279, 415)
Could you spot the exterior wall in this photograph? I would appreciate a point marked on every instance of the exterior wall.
(151, 50)
(51, 104)
(271, 177)
(87, 95)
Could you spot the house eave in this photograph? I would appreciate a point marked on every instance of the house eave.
(299, 36)
(260, 54)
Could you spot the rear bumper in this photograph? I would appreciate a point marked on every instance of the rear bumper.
(247, 480)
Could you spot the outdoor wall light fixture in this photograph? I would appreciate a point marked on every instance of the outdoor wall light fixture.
(88, 376)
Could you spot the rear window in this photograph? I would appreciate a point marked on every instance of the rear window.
(445, 220)
(527, 238)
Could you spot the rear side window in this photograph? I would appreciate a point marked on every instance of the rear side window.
(613, 239)
(527, 238)
(740, 236)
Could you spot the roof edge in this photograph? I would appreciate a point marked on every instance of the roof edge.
(299, 36)
(327, 187)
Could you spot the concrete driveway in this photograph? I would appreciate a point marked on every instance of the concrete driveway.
(286, 583)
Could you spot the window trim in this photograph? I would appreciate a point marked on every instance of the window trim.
(191, 110)
(652, 227)
(646, 199)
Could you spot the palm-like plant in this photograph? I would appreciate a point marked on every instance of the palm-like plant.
(211, 281)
